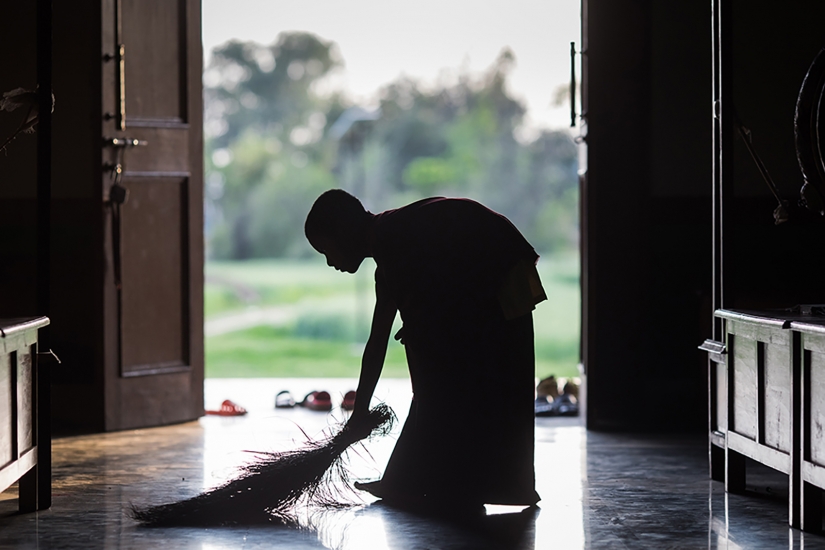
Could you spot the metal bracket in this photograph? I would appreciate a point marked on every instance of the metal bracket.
(124, 142)
(49, 357)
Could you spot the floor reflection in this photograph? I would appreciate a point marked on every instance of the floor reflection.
(377, 526)
(757, 518)
(599, 490)
(514, 530)
(560, 451)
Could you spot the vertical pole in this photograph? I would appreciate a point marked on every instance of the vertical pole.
(716, 103)
(735, 464)
(797, 352)
(44, 198)
(810, 496)
(722, 116)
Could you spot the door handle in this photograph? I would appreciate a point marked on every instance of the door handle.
(124, 142)
(572, 84)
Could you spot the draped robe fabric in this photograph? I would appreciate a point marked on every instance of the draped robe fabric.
(449, 266)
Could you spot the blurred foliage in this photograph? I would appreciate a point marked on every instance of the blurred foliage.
(275, 142)
(324, 318)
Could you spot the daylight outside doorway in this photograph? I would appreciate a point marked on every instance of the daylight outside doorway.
(393, 103)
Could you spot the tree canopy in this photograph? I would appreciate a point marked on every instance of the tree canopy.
(274, 143)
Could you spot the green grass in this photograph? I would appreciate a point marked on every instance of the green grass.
(265, 351)
(219, 299)
(332, 313)
(557, 321)
(274, 281)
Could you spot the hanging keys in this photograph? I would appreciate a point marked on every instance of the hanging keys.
(118, 194)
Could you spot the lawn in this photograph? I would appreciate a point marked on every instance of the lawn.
(316, 319)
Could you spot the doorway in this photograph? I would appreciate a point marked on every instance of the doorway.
(393, 106)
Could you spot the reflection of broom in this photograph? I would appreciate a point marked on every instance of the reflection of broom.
(270, 488)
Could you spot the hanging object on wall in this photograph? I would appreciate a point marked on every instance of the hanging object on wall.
(780, 213)
(808, 136)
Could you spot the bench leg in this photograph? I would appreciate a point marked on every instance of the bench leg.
(811, 508)
(734, 472)
(27, 488)
(717, 463)
(42, 472)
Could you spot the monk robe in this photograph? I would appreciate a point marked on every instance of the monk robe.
(464, 282)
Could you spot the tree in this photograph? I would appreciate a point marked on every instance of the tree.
(270, 150)
(263, 121)
(268, 88)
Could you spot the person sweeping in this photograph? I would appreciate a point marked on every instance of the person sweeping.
(464, 281)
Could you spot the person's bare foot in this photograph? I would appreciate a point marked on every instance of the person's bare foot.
(421, 503)
(372, 487)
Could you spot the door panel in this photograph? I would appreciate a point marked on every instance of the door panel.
(166, 150)
(154, 241)
(154, 39)
(154, 313)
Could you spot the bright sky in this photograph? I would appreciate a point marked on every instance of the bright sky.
(380, 40)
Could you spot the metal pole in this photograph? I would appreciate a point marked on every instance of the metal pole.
(44, 198)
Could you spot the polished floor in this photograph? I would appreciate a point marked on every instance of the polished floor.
(599, 490)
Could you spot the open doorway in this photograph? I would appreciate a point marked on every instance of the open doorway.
(392, 104)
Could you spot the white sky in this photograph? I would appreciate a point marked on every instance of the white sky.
(382, 39)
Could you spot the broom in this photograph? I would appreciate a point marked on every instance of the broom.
(270, 488)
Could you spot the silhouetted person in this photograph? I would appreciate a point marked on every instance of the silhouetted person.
(464, 281)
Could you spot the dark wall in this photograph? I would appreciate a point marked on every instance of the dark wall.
(77, 259)
(647, 194)
(769, 52)
(18, 166)
(76, 253)
(647, 213)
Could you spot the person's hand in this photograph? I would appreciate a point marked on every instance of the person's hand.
(359, 423)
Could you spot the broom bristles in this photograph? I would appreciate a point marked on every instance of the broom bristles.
(270, 488)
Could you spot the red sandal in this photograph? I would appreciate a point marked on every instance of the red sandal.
(317, 401)
(228, 408)
(348, 402)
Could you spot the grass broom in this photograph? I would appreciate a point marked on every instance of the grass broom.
(271, 488)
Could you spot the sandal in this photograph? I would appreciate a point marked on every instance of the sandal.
(565, 405)
(284, 400)
(349, 401)
(228, 408)
(317, 401)
(544, 407)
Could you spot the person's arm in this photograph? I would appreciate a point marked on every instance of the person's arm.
(372, 362)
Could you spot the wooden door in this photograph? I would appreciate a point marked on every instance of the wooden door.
(152, 140)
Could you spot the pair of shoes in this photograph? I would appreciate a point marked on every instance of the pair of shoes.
(549, 402)
(563, 405)
(314, 400)
(228, 408)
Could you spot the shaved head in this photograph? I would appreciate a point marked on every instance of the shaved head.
(335, 216)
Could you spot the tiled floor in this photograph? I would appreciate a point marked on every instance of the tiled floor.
(599, 490)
